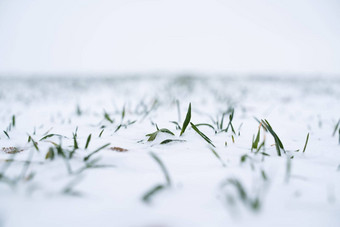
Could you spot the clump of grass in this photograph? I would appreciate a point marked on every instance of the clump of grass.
(10, 126)
(35, 144)
(61, 152)
(202, 134)
(152, 136)
(246, 157)
(159, 187)
(278, 144)
(122, 124)
(230, 125)
(187, 120)
(125, 125)
(50, 154)
(254, 203)
(255, 142)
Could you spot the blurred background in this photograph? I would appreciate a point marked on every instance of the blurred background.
(93, 37)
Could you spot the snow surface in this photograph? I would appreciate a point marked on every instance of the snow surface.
(111, 195)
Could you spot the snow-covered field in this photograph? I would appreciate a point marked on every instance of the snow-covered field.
(209, 177)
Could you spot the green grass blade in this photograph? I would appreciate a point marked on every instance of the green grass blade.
(148, 195)
(206, 124)
(217, 156)
(13, 120)
(102, 147)
(163, 168)
(107, 117)
(304, 148)
(88, 141)
(7, 134)
(202, 134)
(170, 140)
(101, 133)
(187, 120)
(166, 131)
(335, 128)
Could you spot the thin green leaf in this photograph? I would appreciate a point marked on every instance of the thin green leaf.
(187, 120)
(201, 134)
(48, 136)
(336, 127)
(304, 148)
(107, 117)
(88, 141)
(148, 195)
(217, 156)
(166, 131)
(100, 148)
(170, 140)
(7, 134)
(163, 168)
(206, 124)
(101, 133)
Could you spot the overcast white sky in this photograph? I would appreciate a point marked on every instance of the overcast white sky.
(99, 36)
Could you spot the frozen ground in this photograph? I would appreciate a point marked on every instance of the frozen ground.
(244, 187)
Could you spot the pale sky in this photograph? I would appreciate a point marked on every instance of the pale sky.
(130, 36)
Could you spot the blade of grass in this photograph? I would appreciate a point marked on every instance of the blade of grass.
(13, 120)
(88, 141)
(107, 117)
(217, 156)
(304, 148)
(278, 143)
(177, 125)
(336, 127)
(100, 148)
(187, 120)
(170, 140)
(206, 124)
(148, 195)
(163, 168)
(101, 133)
(7, 135)
(201, 134)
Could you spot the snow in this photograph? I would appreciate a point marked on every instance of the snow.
(307, 195)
